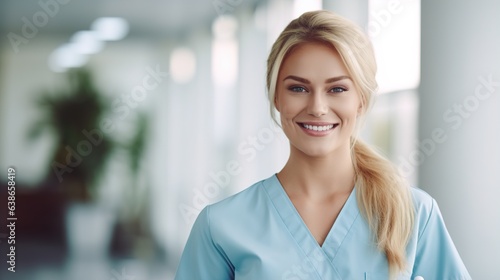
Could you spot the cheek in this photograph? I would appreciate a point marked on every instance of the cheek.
(287, 116)
(288, 109)
(349, 111)
(287, 119)
(287, 112)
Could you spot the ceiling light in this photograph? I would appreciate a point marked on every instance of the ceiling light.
(66, 57)
(86, 42)
(110, 28)
(182, 65)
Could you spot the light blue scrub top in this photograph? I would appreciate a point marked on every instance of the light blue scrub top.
(258, 234)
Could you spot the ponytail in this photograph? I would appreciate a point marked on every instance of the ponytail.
(385, 201)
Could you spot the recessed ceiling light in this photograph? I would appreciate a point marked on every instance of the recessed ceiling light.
(86, 42)
(110, 28)
(66, 57)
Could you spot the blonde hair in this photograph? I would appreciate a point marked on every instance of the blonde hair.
(382, 194)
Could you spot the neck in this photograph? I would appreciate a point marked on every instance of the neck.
(318, 177)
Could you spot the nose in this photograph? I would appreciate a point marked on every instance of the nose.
(317, 105)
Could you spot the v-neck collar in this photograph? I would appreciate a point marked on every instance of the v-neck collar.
(321, 256)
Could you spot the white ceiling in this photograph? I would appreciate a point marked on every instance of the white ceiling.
(146, 18)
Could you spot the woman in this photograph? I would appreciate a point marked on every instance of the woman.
(337, 210)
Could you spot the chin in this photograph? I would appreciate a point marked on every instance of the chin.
(318, 151)
(322, 149)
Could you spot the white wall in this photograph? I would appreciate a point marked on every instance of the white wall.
(460, 44)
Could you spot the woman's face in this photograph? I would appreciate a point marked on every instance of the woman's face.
(317, 100)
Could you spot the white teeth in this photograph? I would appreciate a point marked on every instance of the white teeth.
(318, 128)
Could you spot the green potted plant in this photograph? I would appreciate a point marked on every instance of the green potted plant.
(73, 116)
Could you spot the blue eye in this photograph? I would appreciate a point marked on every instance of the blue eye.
(338, 90)
(297, 89)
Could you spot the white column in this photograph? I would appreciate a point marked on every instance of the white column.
(260, 149)
(460, 125)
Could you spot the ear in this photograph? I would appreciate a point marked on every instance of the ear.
(276, 102)
(360, 110)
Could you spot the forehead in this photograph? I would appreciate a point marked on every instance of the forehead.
(313, 59)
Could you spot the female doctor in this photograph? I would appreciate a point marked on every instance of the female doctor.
(337, 209)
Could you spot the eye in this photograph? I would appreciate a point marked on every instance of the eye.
(297, 89)
(337, 90)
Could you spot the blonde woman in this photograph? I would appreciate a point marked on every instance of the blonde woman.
(337, 209)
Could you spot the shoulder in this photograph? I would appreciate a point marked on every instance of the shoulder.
(242, 198)
(422, 200)
(248, 202)
(426, 209)
(434, 254)
(236, 216)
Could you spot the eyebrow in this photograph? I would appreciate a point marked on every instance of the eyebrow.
(306, 81)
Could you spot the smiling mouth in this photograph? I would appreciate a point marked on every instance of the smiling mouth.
(318, 127)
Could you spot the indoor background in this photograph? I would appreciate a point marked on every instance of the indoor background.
(121, 120)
